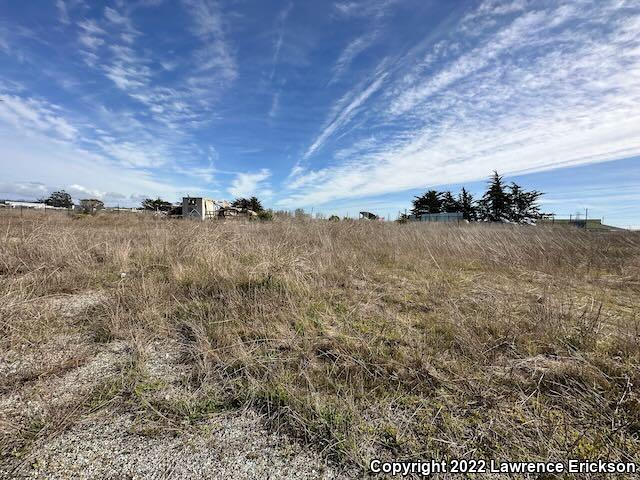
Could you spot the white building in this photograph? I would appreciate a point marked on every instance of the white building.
(12, 204)
(199, 208)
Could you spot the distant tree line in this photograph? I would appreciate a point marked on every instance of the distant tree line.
(500, 203)
(62, 199)
(157, 205)
(251, 203)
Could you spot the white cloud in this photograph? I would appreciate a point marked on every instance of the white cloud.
(40, 143)
(248, 184)
(31, 114)
(23, 190)
(79, 191)
(64, 165)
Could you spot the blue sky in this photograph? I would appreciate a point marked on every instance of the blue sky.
(336, 106)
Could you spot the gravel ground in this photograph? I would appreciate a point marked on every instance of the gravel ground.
(50, 392)
(228, 446)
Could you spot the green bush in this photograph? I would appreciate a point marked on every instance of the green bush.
(265, 215)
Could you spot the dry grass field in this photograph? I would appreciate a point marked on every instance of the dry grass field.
(349, 340)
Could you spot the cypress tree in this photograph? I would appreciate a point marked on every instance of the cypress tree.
(449, 203)
(467, 207)
(495, 203)
(523, 204)
(429, 202)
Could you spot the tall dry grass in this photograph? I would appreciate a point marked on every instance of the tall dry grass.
(362, 338)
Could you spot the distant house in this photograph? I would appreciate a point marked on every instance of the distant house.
(199, 208)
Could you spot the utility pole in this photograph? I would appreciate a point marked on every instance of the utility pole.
(586, 217)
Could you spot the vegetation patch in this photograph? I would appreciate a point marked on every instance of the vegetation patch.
(364, 339)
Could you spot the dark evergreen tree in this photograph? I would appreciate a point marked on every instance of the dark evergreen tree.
(449, 203)
(58, 199)
(523, 205)
(429, 202)
(255, 205)
(240, 203)
(248, 204)
(467, 207)
(495, 203)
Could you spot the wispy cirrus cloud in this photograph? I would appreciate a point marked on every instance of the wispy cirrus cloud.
(344, 110)
(540, 87)
(275, 104)
(350, 52)
(63, 14)
(215, 56)
(91, 35)
(363, 8)
(281, 18)
(175, 105)
(128, 32)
